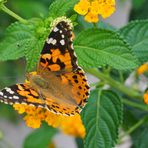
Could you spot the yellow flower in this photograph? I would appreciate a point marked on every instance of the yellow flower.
(106, 11)
(91, 18)
(82, 7)
(92, 9)
(35, 115)
(142, 69)
(146, 97)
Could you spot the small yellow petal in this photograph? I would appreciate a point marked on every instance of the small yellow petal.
(107, 11)
(142, 69)
(20, 108)
(94, 8)
(91, 18)
(32, 121)
(82, 7)
(146, 97)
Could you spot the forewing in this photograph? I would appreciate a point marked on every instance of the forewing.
(58, 54)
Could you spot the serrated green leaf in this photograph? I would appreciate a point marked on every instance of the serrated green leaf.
(40, 138)
(136, 34)
(102, 117)
(97, 47)
(60, 7)
(16, 39)
(140, 137)
(31, 6)
(32, 53)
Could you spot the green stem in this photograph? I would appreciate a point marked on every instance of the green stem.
(134, 127)
(95, 25)
(121, 76)
(11, 13)
(136, 105)
(115, 84)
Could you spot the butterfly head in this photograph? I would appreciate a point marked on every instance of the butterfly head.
(59, 20)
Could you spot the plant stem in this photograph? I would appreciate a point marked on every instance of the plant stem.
(11, 13)
(134, 127)
(115, 84)
(136, 105)
(95, 25)
(121, 77)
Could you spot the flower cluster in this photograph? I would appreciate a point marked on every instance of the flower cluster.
(146, 97)
(142, 69)
(92, 8)
(34, 116)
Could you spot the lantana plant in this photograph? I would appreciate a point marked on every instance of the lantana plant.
(109, 54)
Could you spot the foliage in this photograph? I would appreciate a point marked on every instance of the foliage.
(41, 137)
(138, 29)
(103, 51)
(102, 118)
(139, 10)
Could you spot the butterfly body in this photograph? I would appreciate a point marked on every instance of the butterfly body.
(52, 86)
(59, 85)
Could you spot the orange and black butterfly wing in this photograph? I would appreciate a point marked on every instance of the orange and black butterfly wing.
(58, 54)
(77, 88)
(80, 87)
(21, 94)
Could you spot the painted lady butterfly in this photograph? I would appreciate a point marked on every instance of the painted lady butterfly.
(59, 85)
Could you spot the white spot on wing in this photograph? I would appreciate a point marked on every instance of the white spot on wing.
(62, 42)
(49, 40)
(55, 29)
(40, 106)
(60, 31)
(15, 97)
(54, 42)
(62, 36)
(31, 105)
(1, 93)
(72, 46)
(11, 92)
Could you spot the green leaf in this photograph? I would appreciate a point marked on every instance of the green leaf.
(136, 34)
(79, 142)
(98, 47)
(60, 7)
(17, 38)
(140, 137)
(137, 4)
(31, 6)
(139, 10)
(32, 53)
(102, 117)
(40, 138)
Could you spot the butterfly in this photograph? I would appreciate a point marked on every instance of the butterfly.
(59, 84)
